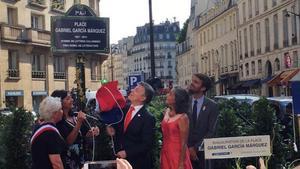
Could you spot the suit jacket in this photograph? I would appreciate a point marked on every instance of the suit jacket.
(138, 139)
(205, 123)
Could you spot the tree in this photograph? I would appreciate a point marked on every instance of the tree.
(182, 35)
(16, 139)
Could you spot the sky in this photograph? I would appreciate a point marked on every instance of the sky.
(126, 15)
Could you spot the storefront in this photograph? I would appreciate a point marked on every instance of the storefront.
(14, 98)
(37, 97)
(280, 83)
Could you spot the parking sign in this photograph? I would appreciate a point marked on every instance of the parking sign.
(134, 80)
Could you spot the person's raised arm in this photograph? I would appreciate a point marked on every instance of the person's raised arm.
(56, 161)
(74, 133)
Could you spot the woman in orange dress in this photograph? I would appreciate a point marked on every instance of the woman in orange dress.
(175, 128)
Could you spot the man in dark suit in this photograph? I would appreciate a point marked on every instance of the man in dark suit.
(135, 134)
(203, 116)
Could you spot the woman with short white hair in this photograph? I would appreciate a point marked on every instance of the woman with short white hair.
(46, 142)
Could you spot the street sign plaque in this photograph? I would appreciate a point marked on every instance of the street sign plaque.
(80, 31)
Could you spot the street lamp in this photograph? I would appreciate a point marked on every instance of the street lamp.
(151, 41)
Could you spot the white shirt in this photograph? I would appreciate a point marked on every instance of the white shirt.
(136, 109)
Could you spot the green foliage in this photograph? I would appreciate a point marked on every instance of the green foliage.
(266, 123)
(157, 107)
(182, 35)
(3, 121)
(229, 124)
(16, 139)
(233, 121)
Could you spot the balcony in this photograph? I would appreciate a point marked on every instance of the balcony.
(38, 74)
(59, 75)
(39, 36)
(95, 77)
(58, 6)
(12, 33)
(226, 69)
(38, 3)
(13, 73)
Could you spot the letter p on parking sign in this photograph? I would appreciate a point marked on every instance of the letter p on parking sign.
(134, 80)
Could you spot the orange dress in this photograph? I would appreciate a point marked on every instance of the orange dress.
(171, 148)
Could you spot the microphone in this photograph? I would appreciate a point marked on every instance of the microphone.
(89, 116)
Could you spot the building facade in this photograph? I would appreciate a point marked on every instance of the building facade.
(211, 47)
(216, 46)
(28, 69)
(268, 36)
(245, 46)
(164, 49)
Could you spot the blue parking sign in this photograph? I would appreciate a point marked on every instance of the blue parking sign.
(134, 80)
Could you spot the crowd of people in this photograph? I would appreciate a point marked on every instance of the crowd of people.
(57, 142)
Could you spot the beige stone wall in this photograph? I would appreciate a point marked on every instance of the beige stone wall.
(25, 82)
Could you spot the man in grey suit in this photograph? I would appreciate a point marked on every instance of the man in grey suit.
(203, 116)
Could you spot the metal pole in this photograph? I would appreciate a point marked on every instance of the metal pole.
(151, 41)
(80, 81)
(111, 67)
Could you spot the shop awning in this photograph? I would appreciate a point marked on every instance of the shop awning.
(250, 83)
(283, 78)
(235, 86)
(265, 80)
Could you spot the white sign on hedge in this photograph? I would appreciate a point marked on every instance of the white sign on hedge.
(233, 147)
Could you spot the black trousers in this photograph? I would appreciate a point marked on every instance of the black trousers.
(202, 163)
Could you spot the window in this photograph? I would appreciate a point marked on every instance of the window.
(265, 5)
(250, 8)
(259, 64)
(94, 70)
(38, 66)
(241, 71)
(295, 59)
(160, 36)
(226, 56)
(230, 21)
(245, 42)
(168, 36)
(294, 27)
(37, 21)
(234, 21)
(247, 69)
(217, 34)
(169, 55)
(244, 11)
(256, 7)
(258, 38)
(253, 68)
(277, 64)
(267, 34)
(275, 22)
(12, 16)
(251, 41)
(285, 29)
(274, 2)
(240, 46)
(13, 63)
(59, 67)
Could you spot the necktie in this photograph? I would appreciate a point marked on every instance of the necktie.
(195, 112)
(128, 117)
